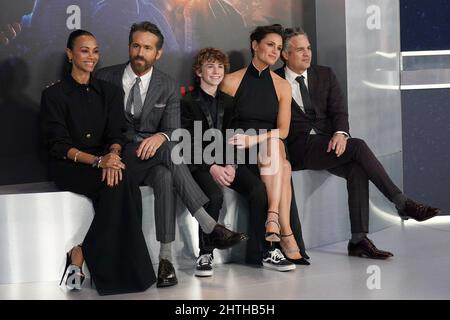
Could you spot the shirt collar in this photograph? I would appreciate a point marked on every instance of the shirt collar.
(131, 76)
(291, 75)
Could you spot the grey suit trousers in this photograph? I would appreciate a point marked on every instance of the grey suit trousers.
(167, 180)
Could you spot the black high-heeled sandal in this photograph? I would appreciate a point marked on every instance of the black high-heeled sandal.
(75, 276)
(273, 236)
(301, 261)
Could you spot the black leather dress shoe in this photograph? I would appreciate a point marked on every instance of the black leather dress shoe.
(417, 211)
(222, 238)
(366, 248)
(166, 274)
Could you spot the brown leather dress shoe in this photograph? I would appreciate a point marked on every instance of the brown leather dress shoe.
(166, 274)
(417, 211)
(366, 249)
(222, 238)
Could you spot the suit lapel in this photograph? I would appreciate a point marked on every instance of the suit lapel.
(117, 80)
(154, 88)
(197, 101)
(312, 86)
(118, 75)
(220, 111)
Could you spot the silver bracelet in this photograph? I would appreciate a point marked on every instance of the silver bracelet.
(97, 162)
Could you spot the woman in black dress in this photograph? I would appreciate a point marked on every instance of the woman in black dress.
(263, 102)
(82, 123)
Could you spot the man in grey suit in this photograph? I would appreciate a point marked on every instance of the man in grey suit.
(152, 109)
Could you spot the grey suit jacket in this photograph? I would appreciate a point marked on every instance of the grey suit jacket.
(161, 111)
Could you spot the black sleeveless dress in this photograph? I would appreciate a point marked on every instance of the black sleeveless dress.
(257, 107)
(256, 100)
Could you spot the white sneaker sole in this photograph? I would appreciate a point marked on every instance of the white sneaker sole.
(279, 268)
(202, 273)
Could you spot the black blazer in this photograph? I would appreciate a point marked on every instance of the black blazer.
(161, 111)
(192, 110)
(328, 102)
(87, 117)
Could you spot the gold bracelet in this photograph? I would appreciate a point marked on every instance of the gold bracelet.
(76, 156)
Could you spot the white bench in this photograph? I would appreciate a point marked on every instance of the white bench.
(38, 224)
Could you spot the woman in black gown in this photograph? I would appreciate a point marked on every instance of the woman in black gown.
(82, 123)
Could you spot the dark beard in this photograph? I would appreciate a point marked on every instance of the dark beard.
(140, 68)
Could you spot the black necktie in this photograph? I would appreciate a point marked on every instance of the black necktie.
(307, 104)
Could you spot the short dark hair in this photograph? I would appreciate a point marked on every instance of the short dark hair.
(147, 26)
(74, 35)
(260, 33)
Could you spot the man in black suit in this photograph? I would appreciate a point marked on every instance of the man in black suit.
(152, 109)
(208, 108)
(319, 139)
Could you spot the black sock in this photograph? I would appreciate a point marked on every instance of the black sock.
(357, 237)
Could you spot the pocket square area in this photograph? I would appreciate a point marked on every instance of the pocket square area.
(160, 105)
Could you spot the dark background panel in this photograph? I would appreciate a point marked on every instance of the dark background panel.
(425, 25)
(35, 58)
(426, 146)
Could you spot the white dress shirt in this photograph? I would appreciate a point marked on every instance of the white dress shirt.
(290, 77)
(128, 80)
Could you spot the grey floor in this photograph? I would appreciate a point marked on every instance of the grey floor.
(419, 270)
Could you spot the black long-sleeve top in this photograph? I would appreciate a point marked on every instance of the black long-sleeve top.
(88, 117)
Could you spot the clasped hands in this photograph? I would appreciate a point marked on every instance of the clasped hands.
(112, 167)
(223, 176)
(112, 164)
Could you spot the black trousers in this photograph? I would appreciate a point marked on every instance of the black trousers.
(357, 165)
(253, 190)
(215, 195)
(167, 180)
(114, 247)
